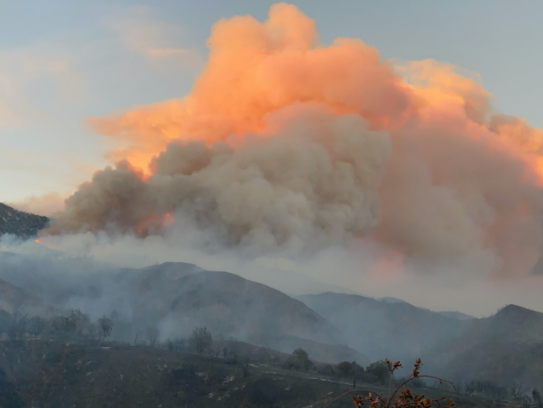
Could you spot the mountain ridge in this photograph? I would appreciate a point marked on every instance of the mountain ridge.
(20, 223)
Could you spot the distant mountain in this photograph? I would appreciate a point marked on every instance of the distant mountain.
(451, 314)
(290, 282)
(512, 324)
(20, 223)
(389, 299)
(457, 315)
(505, 346)
(380, 329)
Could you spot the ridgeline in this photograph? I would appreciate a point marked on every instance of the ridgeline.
(20, 223)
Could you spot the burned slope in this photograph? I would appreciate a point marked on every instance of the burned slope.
(59, 374)
(20, 223)
(65, 375)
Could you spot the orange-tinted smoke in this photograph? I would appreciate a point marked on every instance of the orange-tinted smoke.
(523, 135)
(256, 68)
(458, 177)
(253, 70)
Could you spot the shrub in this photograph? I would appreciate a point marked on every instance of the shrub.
(299, 361)
(401, 396)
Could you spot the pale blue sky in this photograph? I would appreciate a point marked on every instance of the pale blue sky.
(62, 61)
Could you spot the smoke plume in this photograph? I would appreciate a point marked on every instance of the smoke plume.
(288, 144)
(47, 204)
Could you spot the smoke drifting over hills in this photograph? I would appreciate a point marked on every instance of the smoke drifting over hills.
(286, 144)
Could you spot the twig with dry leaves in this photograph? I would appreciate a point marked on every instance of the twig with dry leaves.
(402, 397)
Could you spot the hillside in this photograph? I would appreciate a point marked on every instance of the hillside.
(511, 325)
(20, 223)
(13, 299)
(177, 297)
(505, 346)
(180, 299)
(381, 329)
(231, 307)
(63, 375)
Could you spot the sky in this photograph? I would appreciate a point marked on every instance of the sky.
(63, 61)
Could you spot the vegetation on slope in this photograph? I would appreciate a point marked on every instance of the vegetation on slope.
(19, 223)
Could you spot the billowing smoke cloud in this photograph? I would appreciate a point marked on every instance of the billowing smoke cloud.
(313, 182)
(287, 144)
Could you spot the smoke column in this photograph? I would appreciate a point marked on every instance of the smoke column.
(286, 144)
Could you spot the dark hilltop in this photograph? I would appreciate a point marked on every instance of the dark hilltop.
(20, 223)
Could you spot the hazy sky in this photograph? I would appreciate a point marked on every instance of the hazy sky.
(63, 61)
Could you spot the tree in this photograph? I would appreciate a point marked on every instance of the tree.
(401, 397)
(18, 323)
(200, 340)
(136, 338)
(244, 364)
(378, 370)
(345, 369)
(36, 325)
(517, 390)
(152, 335)
(77, 322)
(179, 344)
(350, 370)
(105, 326)
(299, 361)
(5, 321)
(536, 396)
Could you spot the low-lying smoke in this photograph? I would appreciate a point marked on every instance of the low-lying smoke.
(48, 204)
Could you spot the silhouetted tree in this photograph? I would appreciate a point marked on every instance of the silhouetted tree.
(77, 322)
(378, 370)
(152, 335)
(299, 360)
(5, 321)
(200, 340)
(536, 396)
(350, 370)
(36, 325)
(105, 326)
(17, 327)
(244, 363)
(345, 369)
(517, 390)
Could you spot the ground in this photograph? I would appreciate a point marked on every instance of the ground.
(43, 373)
